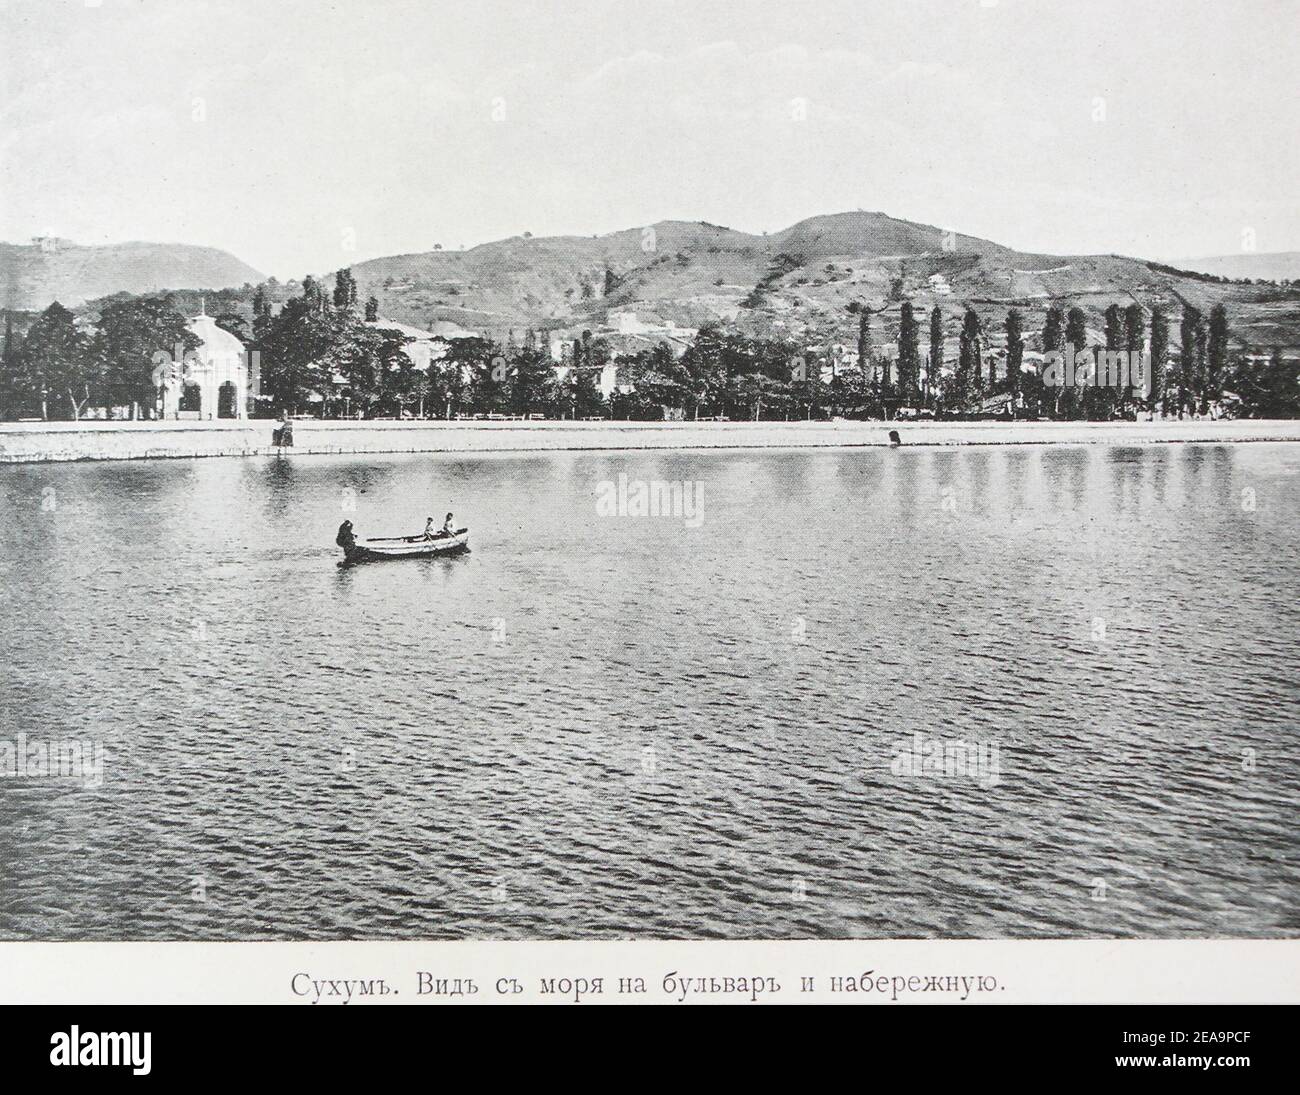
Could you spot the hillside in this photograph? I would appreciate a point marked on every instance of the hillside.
(34, 275)
(800, 280)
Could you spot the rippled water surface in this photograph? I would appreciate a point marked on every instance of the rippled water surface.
(596, 726)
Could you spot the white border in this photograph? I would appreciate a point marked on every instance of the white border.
(902, 972)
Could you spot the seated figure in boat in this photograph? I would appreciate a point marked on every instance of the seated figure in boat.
(448, 526)
(346, 539)
(429, 530)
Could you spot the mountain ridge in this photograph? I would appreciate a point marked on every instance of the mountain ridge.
(34, 275)
(802, 278)
(806, 279)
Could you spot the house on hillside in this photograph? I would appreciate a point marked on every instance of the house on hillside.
(630, 333)
(420, 346)
(625, 334)
(606, 382)
(424, 347)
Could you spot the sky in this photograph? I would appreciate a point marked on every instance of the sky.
(303, 135)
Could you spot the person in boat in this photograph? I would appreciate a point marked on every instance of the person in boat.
(346, 539)
(448, 526)
(429, 530)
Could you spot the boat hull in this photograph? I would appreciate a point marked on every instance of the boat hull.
(406, 547)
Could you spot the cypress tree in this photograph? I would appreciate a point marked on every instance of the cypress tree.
(1217, 357)
(934, 371)
(1054, 341)
(1200, 337)
(968, 356)
(1159, 357)
(1015, 354)
(864, 346)
(1114, 328)
(1076, 329)
(1187, 364)
(908, 354)
(345, 289)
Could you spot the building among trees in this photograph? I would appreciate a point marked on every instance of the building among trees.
(212, 381)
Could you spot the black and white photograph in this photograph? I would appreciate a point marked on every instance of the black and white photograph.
(764, 472)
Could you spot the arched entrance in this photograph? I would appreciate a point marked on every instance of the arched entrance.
(228, 401)
(191, 401)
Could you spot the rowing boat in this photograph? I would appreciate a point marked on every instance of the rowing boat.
(405, 547)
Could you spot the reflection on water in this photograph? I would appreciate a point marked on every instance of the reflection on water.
(616, 727)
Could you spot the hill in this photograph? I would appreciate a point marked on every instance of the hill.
(800, 280)
(34, 275)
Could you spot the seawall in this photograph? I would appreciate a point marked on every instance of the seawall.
(36, 442)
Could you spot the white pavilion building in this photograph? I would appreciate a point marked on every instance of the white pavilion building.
(215, 382)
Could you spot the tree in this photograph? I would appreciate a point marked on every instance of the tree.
(1134, 332)
(909, 367)
(589, 363)
(1100, 400)
(651, 373)
(400, 381)
(372, 309)
(1076, 335)
(10, 394)
(465, 374)
(534, 380)
(1217, 354)
(234, 323)
(312, 294)
(422, 387)
(1054, 342)
(369, 362)
(1268, 389)
(752, 391)
(1114, 327)
(133, 337)
(1134, 328)
(1015, 354)
(1053, 329)
(700, 371)
(1159, 357)
(261, 315)
(1188, 367)
(865, 352)
(298, 342)
(54, 360)
(1200, 337)
(806, 383)
(968, 360)
(934, 368)
(1076, 329)
(345, 289)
